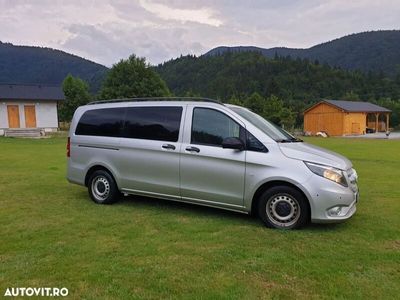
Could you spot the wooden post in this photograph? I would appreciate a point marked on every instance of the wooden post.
(376, 122)
(387, 122)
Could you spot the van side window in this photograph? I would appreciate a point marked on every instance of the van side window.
(159, 123)
(101, 122)
(211, 127)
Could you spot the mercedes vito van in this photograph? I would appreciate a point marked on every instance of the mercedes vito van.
(204, 152)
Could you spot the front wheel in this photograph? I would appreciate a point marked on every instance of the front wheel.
(102, 188)
(283, 207)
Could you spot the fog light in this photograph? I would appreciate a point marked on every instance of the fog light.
(335, 211)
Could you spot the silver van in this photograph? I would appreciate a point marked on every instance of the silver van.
(204, 152)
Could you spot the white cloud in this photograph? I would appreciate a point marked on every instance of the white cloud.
(108, 30)
(203, 15)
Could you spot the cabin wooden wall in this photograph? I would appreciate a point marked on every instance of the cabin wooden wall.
(324, 117)
(354, 123)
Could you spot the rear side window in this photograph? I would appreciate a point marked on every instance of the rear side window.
(153, 123)
(101, 122)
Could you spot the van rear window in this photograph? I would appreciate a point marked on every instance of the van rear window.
(101, 122)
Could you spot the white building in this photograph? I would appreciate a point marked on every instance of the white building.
(29, 108)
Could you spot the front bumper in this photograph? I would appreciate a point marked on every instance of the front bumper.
(349, 212)
(325, 196)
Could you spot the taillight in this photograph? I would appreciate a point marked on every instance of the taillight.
(69, 147)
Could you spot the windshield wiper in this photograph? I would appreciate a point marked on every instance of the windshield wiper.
(297, 140)
(290, 140)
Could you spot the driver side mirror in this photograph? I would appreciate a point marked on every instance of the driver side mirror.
(233, 143)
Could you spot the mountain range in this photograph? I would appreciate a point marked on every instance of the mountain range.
(37, 65)
(377, 51)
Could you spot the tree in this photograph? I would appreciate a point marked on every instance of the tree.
(255, 103)
(272, 109)
(190, 93)
(275, 111)
(351, 96)
(287, 118)
(235, 101)
(132, 78)
(76, 93)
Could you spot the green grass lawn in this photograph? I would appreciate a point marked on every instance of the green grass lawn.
(53, 235)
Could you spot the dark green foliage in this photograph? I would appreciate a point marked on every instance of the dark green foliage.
(132, 78)
(255, 103)
(76, 93)
(367, 51)
(235, 101)
(23, 64)
(298, 83)
(271, 108)
(394, 106)
(277, 112)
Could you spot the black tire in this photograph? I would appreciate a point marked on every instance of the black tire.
(283, 207)
(102, 188)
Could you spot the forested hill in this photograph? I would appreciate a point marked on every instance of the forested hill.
(367, 51)
(241, 74)
(25, 64)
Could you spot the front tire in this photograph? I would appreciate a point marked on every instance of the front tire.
(283, 207)
(102, 188)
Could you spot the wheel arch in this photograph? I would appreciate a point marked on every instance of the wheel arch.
(269, 184)
(95, 168)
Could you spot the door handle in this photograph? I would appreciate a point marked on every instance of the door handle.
(192, 149)
(168, 146)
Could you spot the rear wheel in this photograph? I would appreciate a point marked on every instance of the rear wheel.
(283, 207)
(102, 188)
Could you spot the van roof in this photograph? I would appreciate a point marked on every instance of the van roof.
(144, 99)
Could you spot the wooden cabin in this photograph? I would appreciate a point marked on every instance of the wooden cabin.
(339, 117)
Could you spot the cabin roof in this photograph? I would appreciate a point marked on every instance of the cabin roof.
(353, 106)
(31, 92)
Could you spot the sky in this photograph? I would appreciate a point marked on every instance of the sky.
(106, 31)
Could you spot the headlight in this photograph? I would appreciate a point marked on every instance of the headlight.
(327, 172)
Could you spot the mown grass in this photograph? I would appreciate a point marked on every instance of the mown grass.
(52, 235)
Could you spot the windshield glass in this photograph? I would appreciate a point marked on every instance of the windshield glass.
(273, 131)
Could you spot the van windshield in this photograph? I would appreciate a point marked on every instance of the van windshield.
(275, 132)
